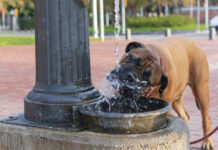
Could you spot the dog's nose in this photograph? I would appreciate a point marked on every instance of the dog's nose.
(130, 77)
(127, 77)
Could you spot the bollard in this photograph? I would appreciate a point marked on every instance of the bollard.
(128, 34)
(168, 32)
(212, 33)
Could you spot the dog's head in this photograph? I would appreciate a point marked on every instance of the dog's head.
(140, 69)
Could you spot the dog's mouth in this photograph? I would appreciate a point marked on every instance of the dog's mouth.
(131, 87)
(136, 91)
(130, 91)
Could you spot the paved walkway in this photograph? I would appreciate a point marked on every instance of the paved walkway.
(17, 77)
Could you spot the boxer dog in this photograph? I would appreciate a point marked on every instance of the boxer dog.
(166, 67)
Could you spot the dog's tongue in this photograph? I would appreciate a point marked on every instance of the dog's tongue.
(149, 91)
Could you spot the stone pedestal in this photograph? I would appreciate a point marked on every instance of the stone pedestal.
(174, 136)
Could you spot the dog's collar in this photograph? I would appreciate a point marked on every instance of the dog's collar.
(161, 64)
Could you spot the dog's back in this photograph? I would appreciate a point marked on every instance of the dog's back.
(186, 58)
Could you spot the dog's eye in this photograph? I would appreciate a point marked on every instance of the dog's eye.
(146, 75)
(137, 62)
(129, 59)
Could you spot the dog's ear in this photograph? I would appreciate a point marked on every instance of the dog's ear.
(163, 83)
(133, 45)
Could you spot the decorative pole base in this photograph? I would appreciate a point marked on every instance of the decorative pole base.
(56, 108)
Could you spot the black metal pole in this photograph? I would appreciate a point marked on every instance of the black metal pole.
(63, 76)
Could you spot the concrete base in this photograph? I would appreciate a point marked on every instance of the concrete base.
(17, 137)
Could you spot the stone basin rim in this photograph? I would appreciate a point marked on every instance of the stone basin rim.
(116, 115)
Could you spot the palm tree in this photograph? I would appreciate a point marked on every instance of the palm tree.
(3, 6)
(6, 5)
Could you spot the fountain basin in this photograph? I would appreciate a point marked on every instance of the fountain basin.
(125, 123)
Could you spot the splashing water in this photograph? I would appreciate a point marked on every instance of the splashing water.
(117, 28)
(111, 101)
(121, 105)
(108, 89)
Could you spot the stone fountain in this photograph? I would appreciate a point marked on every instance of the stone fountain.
(51, 118)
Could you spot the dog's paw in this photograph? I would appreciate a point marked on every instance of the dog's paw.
(207, 145)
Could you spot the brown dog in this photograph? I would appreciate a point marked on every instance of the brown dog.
(170, 65)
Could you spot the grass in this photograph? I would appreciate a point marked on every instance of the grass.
(16, 40)
(187, 27)
(22, 40)
(29, 40)
(91, 38)
(109, 29)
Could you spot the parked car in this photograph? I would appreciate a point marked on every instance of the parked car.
(214, 23)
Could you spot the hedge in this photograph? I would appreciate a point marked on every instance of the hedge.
(26, 23)
(165, 21)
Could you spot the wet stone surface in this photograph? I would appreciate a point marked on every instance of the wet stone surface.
(124, 105)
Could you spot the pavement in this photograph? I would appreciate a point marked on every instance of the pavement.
(17, 78)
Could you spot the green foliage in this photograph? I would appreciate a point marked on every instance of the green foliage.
(188, 27)
(26, 23)
(28, 9)
(166, 21)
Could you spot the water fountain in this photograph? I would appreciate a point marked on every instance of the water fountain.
(51, 118)
(118, 117)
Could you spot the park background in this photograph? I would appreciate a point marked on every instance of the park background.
(141, 16)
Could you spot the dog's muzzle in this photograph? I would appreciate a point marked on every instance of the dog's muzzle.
(125, 80)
